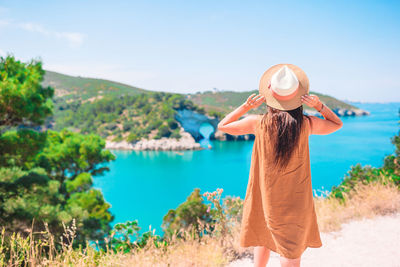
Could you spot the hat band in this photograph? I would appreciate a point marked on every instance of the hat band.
(284, 97)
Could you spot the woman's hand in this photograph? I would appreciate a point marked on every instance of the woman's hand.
(231, 125)
(254, 101)
(312, 101)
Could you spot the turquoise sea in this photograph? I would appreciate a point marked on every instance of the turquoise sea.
(144, 185)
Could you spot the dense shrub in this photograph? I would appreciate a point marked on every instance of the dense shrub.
(173, 124)
(133, 137)
(164, 131)
(176, 134)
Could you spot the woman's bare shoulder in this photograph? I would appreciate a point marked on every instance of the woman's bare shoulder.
(256, 118)
(312, 120)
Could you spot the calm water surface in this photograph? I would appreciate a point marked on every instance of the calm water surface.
(144, 185)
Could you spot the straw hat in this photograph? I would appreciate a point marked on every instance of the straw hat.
(282, 85)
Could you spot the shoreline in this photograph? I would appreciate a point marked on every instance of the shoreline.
(187, 142)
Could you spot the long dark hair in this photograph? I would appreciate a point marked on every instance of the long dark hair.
(284, 128)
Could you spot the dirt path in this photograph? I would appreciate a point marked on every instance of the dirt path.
(368, 242)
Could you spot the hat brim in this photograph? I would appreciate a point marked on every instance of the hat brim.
(292, 103)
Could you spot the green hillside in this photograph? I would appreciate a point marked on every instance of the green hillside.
(119, 112)
(79, 88)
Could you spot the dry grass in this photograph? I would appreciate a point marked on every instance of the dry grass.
(188, 253)
(209, 250)
(365, 201)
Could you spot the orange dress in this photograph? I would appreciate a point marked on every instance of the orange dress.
(278, 210)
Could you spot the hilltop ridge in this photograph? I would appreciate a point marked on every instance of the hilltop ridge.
(80, 88)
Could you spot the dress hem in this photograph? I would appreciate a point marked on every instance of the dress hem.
(282, 254)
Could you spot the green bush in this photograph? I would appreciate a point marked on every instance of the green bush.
(133, 137)
(164, 131)
(216, 114)
(111, 126)
(357, 173)
(176, 134)
(118, 138)
(128, 125)
(172, 124)
(155, 124)
(201, 110)
(146, 108)
(186, 215)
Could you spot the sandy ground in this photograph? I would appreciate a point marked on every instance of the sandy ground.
(368, 242)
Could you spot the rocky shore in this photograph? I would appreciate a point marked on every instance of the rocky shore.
(186, 142)
(341, 112)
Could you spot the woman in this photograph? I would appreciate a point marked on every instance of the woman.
(278, 210)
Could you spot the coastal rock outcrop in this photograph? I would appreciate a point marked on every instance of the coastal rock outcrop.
(340, 112)
(186, 142)
(191, 121)
(350, 112)
(218, 135)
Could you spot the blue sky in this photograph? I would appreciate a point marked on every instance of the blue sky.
(349, 49)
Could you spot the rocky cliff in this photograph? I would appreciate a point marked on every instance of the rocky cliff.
(191, 122)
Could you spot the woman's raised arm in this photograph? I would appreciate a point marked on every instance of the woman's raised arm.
(331, 121)
(231, 125)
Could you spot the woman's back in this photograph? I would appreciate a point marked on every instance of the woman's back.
(267, 149)
(278, 210)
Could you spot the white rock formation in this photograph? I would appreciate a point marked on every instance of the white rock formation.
(186, 142)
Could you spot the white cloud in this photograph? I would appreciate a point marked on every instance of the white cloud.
(28, 26)
(75, 39)
(4, 23)
(2, 53)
